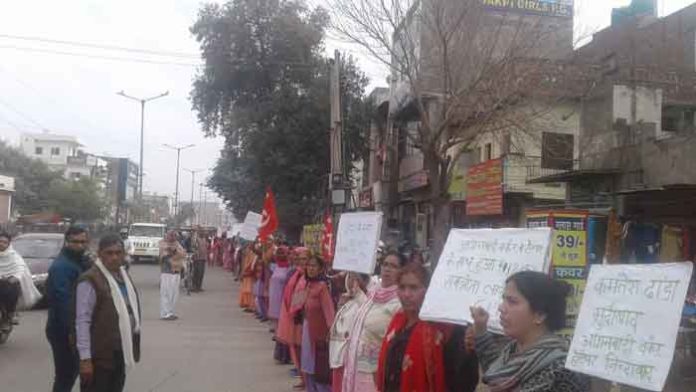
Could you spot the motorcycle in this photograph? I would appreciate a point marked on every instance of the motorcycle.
(6, 324)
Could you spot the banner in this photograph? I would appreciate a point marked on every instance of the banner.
(356, 242)
(250, 228)
(473, 268)
(628, 323)
(557, 8)
(484, 194)
(269, 221)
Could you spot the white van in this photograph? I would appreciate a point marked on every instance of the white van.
(144, 239)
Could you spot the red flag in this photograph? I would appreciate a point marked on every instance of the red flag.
(327, 240)
(269, 221)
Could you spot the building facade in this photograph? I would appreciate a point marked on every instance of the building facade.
(63, 153)
(7, 189)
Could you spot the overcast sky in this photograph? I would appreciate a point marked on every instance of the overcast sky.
(77, 95)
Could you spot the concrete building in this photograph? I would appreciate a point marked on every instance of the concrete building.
(61, 153)
(638, 128)
(155, 208)
(121, 184)
(488, 31)
(7, 189)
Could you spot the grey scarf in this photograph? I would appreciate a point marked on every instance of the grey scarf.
(511, 369)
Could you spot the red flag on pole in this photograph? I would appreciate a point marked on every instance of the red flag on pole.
(269, 221)
(327, 240)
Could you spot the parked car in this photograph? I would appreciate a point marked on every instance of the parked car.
(38, 251)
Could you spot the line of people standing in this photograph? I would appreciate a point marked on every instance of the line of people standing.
(347, 332)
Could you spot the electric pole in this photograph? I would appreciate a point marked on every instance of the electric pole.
(193, 186)
(178, 158)
(142, 101)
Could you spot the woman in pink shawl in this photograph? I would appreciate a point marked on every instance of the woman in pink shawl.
(288, 331)
(371, 322)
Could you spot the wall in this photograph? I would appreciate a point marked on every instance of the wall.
(5, 206)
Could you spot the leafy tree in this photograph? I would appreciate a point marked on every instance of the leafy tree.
(78, 200)
(265, 88)
(39, 189)
(32, 178)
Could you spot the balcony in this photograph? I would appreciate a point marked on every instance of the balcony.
(77, 161)
(536, 171)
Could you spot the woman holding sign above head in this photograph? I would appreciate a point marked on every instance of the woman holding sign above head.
(371, 322)
(532, 358)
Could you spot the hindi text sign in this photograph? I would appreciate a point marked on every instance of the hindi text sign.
(628, 322)
(356, 242)
(473, 268)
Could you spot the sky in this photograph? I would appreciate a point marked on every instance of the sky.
(76, 96)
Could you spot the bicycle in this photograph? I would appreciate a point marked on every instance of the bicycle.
(187, 278)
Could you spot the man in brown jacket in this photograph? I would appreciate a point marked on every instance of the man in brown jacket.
(200, 254)
(106, 309)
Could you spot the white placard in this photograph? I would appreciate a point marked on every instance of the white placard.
(473, 268)
(250, 228)
(356, 242)
(628, 322)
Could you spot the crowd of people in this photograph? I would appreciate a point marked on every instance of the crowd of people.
(349, 332)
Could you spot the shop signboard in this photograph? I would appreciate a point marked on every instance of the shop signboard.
(555, 8)
(568, 253)
(311, 237)
(485, 188)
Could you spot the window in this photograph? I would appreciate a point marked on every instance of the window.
(38, 151)
(677, 119)
(557, 151)
(489, 152)
(55, 151)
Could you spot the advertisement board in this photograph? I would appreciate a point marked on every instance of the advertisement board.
(556, 8)
(485, 188)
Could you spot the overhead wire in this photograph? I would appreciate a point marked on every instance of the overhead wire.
(102, 46)
(99, 57)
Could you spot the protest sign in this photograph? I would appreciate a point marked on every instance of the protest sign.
(250, 228)
(628, 323)
(473, 268)
(356, 243)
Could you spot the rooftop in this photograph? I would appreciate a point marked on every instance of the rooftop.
(52, 137)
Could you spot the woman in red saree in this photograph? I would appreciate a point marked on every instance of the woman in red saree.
(411, 358)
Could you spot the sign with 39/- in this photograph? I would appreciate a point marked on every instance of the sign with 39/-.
(569, 248)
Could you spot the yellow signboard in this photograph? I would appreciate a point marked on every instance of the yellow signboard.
(569, 248)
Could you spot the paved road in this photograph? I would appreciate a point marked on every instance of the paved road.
(213, 347)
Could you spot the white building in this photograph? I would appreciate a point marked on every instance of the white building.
(59, 152)
(7, 188)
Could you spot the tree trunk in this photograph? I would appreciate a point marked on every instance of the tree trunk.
(441, 227)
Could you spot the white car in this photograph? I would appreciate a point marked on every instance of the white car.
(143, 241)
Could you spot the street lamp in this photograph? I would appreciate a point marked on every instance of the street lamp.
(193, 185)
(142, 131)
(178, 157)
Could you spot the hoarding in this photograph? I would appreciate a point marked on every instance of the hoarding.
(485, 188)
(556, 8)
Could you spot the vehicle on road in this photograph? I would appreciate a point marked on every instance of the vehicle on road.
(39, 250)
(6, 324)
(144, 241)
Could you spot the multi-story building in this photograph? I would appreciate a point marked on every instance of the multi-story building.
(424, 81)
(154, 208)
(7, 189)
(62, 153)
(121, 184)
(638, 134)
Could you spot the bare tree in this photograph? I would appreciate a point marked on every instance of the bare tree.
(463, 69)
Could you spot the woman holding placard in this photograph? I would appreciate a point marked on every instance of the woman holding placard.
(532, 357)
(371, 322)
(413, 352)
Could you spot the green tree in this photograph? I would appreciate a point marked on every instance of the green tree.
(32, 178)
(78, 200)
(265, 89)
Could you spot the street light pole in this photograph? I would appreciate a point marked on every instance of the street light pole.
(200, 203)
(142, 132)
(178, 158)
(193, 185)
